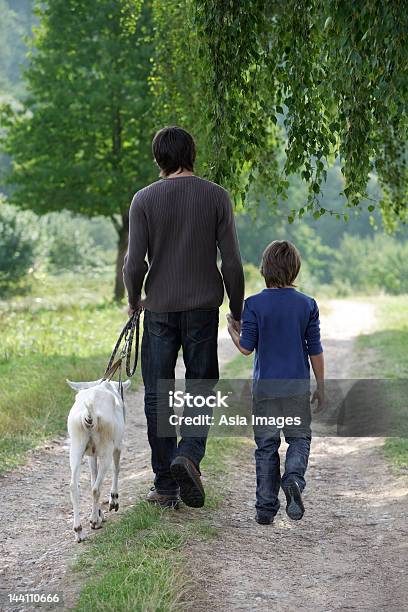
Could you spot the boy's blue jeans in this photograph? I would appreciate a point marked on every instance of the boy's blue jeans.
(268, 439)
(196, 332)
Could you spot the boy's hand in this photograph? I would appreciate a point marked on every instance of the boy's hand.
(233, 332)
(319, 397)
(236, 325)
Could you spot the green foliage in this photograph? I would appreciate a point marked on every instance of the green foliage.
(81, 140)
(67, 243)
(256, 233)
(55, 242)
(332, 74)
(371, 265)
(18, 239)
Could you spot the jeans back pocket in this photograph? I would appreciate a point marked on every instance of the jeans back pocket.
(202, 325)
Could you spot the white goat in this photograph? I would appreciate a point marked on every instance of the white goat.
(96, 424)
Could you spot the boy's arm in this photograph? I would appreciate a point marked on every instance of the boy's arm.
(317, 362)
(235, 336)
(248, 340)
(315, 350)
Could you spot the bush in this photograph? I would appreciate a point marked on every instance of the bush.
(369, 265)
(18, 246)
(67, 242)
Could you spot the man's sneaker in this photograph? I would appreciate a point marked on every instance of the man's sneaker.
(188, 479)
(263, 519)
(294, 503)
(164, 501)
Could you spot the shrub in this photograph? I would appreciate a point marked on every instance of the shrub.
(67, 242)
(369, 265)
(18, 245)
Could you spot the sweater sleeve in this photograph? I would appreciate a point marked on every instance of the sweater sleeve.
(135, 266)
(249, 329)
(231, 265)
(314, 345)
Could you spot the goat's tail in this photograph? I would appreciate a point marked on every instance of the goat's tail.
(89, 417)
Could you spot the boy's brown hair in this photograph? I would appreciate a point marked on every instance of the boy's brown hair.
(280, 264)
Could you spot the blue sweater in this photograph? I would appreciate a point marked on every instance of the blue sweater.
(283, 326)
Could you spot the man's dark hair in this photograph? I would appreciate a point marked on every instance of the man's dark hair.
(280, 264)
(174, 149)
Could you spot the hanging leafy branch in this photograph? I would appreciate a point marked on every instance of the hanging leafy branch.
(333, 74)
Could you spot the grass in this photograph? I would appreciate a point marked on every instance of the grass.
(137, 563)
(67, 333)
(64, 328)
(389, 344)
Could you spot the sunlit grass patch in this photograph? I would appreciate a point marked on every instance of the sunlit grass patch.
(389, 342)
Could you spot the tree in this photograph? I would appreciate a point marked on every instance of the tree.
(330, 75)
(81, 140)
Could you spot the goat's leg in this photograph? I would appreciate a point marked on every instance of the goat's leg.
(114, 495)
(75, 458)
(93, 467)
(96, 517)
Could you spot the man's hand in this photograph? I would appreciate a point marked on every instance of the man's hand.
(131, 311)
(319, 397)
(236, 325)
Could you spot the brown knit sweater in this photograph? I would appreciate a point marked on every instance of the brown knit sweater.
(179, 223)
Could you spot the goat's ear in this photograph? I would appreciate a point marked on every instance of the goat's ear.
(127, 384)
(78, 386)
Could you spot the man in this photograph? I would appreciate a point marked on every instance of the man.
(181, 222)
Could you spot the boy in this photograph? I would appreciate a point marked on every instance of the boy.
(282, 325)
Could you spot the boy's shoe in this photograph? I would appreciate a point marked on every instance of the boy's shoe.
(164, 501)
(263, 519)
(294, 504)
(188, 478)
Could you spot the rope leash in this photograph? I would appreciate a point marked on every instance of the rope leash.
(130, 333)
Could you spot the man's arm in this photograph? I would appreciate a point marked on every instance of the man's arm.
(231, 265)
(135, 266)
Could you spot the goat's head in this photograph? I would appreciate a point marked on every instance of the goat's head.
(79, 386)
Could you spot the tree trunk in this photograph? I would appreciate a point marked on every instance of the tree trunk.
(123, 236)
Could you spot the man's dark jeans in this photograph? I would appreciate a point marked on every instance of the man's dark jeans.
(268, 439)
(196, 332)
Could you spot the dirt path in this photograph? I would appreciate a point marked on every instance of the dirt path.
(350, 551)
(347, 553)
(37, 544)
